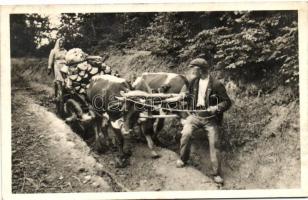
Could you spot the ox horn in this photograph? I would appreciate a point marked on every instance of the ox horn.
(122, 93)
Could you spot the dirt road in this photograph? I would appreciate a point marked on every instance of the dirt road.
(49, 157)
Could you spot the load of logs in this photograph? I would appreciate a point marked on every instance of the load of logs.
(81, 68)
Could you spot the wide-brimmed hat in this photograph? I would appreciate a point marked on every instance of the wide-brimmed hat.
(199, 62)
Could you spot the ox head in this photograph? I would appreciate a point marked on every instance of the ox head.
(105, 94)
(123, 114)
(130, 117)
(131, 108)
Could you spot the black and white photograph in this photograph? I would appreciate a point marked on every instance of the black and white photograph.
(155, 101)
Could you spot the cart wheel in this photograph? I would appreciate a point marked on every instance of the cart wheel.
(72, 109)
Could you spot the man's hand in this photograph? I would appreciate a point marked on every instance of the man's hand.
(49, 71)
(212, 109)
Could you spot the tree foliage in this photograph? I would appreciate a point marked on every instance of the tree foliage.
(27, 32)
(93, 31)
(251, 46)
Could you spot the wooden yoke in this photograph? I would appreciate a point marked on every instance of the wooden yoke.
(141, 94)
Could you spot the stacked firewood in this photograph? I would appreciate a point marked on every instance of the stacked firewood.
(81, 68)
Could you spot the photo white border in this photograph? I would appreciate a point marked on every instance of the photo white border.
(48, 2)
(302, 8)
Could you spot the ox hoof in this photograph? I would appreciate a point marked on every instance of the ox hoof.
(180, 164)
(69, 120)
(154, 155)
(99, 147)
(217, 179)
(157, 142)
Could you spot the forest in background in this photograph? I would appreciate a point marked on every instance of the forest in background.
(256, 46)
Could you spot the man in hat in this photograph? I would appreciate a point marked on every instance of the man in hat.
(209, 98)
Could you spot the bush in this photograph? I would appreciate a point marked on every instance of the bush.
(248, 46)
(253, 46)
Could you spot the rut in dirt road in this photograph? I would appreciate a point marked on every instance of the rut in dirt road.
(50, 157)
(60, 161)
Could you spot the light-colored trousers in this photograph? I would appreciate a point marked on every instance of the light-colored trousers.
(191, 124)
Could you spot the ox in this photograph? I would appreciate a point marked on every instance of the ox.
(158, 82)
(122, 116)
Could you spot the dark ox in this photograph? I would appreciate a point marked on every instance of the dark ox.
(158, 82)
(122, 116)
